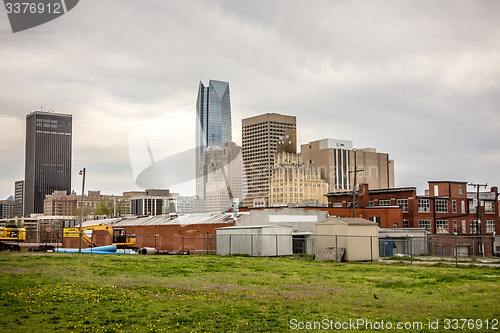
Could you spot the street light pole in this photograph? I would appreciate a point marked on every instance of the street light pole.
(81, 173)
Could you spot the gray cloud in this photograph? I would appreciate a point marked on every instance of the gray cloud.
(417, 79)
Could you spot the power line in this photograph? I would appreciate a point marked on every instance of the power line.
(79, 161)
(103, 132)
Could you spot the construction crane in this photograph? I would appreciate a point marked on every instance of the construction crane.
(234, 202)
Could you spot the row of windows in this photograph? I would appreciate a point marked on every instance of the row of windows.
(268, 124)
(442, 226)
(296, 195)
(265, 135)
(424, 205)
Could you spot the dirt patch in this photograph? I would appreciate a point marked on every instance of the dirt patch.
(14, 270)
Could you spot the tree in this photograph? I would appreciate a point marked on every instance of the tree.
(87, 211)
(103, 208)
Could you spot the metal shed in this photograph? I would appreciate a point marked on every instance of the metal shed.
(347, 239)
(402, 241)
(256, 241)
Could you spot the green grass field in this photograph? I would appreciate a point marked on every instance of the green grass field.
(125, 293)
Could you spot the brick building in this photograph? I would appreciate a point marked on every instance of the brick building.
(387, 216)
(446, 207)
(59, 203)
(194, 233)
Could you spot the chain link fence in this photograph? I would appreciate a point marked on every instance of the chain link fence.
(371, 247)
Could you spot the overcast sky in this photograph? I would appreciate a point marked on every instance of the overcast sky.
(419, 80)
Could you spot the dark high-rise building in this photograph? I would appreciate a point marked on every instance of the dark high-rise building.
(48, 157)
(213, 122)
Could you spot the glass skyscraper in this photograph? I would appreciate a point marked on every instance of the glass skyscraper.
(48, 157)
(213, 122)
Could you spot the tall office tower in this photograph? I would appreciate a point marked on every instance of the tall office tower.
(48, 157)
(336, 159)
(19, 198)
(263, 136)
(213, 123)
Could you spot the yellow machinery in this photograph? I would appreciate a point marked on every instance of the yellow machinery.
(11, 233)
(119, 235)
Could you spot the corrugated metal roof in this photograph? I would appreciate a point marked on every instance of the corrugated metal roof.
(350, 221)
(255, 227)
(201, 218)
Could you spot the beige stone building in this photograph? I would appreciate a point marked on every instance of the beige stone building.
(336, 159)
(292, 182)
(59, 203)
(262, 137)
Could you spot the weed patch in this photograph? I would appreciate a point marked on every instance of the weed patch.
(228, 294)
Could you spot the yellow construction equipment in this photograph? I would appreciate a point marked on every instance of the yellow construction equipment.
(119, 235)
(10, 234)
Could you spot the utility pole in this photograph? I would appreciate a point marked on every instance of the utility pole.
(478, 211)
(355, 171)
(81, 173)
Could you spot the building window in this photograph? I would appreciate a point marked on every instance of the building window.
(490, 226)
(371, 203)
(455, 230)
(442, 226)
(454, 206)
(384, 202)
(376, 219)
(463, 206)
(403, 203)
(474, 226)
(395, 225)
(441, 206)
(472, 207)
(464, 227)
(336, 204)
(489, 207)
(425, 224)
(406, 224)
(424, 205)
(460, 189)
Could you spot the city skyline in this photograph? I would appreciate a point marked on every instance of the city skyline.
(412, 79)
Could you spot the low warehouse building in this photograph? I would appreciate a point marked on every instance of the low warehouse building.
(347, 239)
(256, 241)
(184, 233)
(301, 221)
